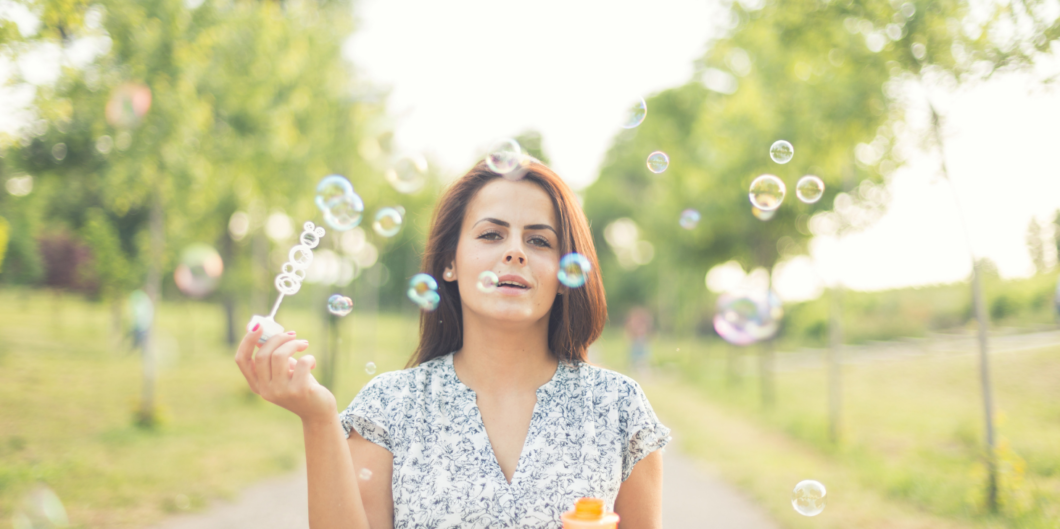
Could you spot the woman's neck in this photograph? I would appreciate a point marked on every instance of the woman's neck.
(498, 357)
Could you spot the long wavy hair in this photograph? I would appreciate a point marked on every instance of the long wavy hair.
(577, 317)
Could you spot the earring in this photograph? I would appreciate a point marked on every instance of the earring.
(449, 274)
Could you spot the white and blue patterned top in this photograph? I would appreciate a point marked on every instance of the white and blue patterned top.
(589, 427)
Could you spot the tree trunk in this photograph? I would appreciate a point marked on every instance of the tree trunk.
(153, 289)
(984, 379)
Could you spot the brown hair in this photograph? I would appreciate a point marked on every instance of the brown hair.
(577, 317)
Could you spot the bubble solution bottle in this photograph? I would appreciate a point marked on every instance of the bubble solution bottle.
(589, 513)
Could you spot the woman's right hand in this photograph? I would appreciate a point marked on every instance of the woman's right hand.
(282, 380)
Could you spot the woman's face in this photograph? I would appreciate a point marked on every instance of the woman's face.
(509, 228)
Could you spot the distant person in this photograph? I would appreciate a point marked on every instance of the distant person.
(499, 421)
(638, 329)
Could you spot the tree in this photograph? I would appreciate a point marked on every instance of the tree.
(1036, 245)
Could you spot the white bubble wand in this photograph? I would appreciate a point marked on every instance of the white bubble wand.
(289, 281)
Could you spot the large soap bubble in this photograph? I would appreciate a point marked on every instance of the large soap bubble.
(767, 192)
(658, 161)
(505, 156)
(635, 114)
(743, 318)
(199, 271)
(809, 189)
(808, 497)
(340, 305)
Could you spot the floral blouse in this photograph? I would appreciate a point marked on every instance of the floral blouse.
(588, 429)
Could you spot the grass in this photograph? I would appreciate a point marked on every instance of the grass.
(910, 438)
(909, 456)
(68, 398)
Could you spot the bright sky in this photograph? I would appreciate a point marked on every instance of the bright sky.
(465, 72)
(451, 70)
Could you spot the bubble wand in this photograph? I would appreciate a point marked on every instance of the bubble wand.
(289, 281)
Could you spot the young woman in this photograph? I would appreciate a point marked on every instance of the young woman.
(500, 421)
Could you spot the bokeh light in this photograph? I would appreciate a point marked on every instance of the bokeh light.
(40, 508)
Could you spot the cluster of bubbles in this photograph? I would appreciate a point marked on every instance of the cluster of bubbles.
(808, 497)
(743, 318)
(574, 270)
(40, 508)
(292, 273)
(767, 191)
(423, 291)
(341, 206)
(199, 271)
(340, 305)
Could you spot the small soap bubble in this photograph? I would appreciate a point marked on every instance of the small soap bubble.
(408, 174)
(487, 282)
(199, 271)
(423, 291)
(128, 104)
(809, 189)
(40, 508)
(504, 156)
(340, 305)
(331, 188)
(808, 498)
(743, 318)
(767, 192)
(369, 368)
(365, 474)
(689, 219)
(658, 161)
(574, 270)
(387, 222)
(635, 114)
(781, 151)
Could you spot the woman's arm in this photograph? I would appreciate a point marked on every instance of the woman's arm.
(334, 497)
(639, 501)
(377, 493)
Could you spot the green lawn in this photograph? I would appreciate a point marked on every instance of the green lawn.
(909, 456)
(68, 397)
(911, 432)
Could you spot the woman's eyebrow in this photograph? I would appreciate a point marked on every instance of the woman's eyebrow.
(500, 222)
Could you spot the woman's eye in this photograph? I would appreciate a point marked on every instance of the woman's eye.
(490, 236)
(540, 241)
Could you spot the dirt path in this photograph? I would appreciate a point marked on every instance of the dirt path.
(688, 493)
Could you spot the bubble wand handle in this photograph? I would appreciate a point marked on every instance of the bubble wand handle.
(289, 281)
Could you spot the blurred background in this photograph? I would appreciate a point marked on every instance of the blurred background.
(895, 339)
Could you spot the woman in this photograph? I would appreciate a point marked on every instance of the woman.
(501, 422)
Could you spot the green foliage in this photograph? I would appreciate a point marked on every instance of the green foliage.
(5, 228)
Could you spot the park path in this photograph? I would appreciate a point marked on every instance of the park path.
(688, 493)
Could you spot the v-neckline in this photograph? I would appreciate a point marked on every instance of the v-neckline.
(498, 471)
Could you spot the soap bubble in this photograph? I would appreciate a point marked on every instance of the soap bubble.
(339, 305)
(128, 104)
(423, 291)
(574, 270)
(504, 156)
(408, 174)
(40, 509)
(487, 282)
(365, 474)
(809, 189)
(743, 318)
(689, 219)
(369, 368)
(387, 222)
(808, 497)
(635, 114)
(781, 151)
(342, 207)
(767, 192)
(658, 161)
(199, 271)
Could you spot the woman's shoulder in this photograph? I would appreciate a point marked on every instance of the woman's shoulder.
(607, 383)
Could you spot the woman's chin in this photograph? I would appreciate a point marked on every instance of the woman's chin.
(509, 312)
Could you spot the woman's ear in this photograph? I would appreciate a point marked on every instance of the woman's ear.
(450, 272)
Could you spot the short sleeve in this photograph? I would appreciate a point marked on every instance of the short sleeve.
(643, 432)
(368, 412)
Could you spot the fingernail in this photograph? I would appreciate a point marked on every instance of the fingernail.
(256, 327)
(290, 333)
(304, 344)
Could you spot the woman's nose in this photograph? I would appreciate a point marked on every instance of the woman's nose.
(515, 256)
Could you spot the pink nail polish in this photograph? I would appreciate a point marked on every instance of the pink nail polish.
(256, 327)
(290, 333)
